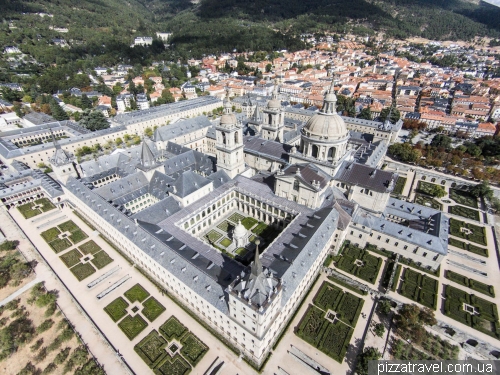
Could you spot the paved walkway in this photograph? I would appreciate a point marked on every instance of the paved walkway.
(20, 291)
(94, 308)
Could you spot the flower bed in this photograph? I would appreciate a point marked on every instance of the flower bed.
(27, 210)
(136, 293)
(173, 366)
(132, 326)
(89, 247)
(312, 326)
(101, 259)
(478, 234)
(71, 258)
(335, 341)
(173, 329)
(193, 349)
(420, 288)
(117, 309)
(82, 271)
(464, 212)
(463, 197)
(152, 349)
(225, 225)
(68, 226)
(486, 319)
(152, 309)
(77, 236)
(46, 204)
(59, 245)
(368, 271)
(50, 234)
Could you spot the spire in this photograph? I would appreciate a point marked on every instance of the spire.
(228, 108)
(275, 90)
(56, 145)
(147, 157)
(256, 265)
(330, 102)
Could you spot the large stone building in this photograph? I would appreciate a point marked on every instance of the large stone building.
(236, 216)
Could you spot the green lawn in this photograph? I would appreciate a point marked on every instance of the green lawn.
(226, 242)
(400, 185)
(89, 247)
(235, 217)
(136, 293)
(152, 309)
(117, 309)
(241, 251)
(249, 222)
(71, 258)
(101, 259)
(82, 271)
(213, 236)
(46, 204)
(132, 326)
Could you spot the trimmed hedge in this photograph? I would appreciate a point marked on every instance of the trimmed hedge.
(468, 213)
(173, 329)
(478, 234)
(117, 309)
(152, 309)
(420, 288)
(89, 247)
(71, 258)
(470, 283)
(469, 247)
(193, 349)
(132, 326)
(348, 286)
(368, 271)
(101, 259)
(82, 271)
(136, 293)
(152, 349)
(395, 281)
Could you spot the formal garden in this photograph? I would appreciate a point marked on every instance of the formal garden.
(32, 209)
(478, 286)
(84, 260)
(419, 288)
(127, 311)
(173, 350)
(329, 324)
(468, 246)
(463, 198)
(59, 237)
(470, 232)
(424, 200)
(359, 262)
(472, 311)
(466, 212)
(431, 189)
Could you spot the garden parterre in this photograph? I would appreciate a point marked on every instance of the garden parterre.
(419, 288)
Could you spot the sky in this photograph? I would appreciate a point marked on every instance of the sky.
(494, 2)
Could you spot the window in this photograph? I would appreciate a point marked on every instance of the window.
(296, 185)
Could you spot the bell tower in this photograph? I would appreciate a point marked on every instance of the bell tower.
(273, 118)
(229, 143)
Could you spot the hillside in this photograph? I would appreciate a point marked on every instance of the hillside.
(100, 31)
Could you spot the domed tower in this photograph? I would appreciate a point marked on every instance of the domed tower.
(273, 119)
(240, 235)
(325, 135)
(229, 142)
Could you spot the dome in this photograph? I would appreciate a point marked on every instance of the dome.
(274, 104)
(326, 125)
(239, 231)
(228, 119)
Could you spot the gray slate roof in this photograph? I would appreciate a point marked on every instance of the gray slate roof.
(362, 175)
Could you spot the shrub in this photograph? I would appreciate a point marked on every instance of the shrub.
(44, 326)
(132, 326)
(152, 309)
(62, 356)
(101, 259)
(117, 309)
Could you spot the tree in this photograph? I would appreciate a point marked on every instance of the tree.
(426, 316)
(442, 141)
(57, 112)
(268, 68)
(118, 141)
(365, 114)
(437, 191)
(86, 102)
(369, 354)
(379, 329)
(148, 132)
(412, 124)
(482, 190)
(167, 96)
(94, 120)
(395, 115)
(384, 306)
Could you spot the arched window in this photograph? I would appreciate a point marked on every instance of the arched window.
(296, 185)
(331, 153)
(224, 138)
(315, 151)
(236, 137)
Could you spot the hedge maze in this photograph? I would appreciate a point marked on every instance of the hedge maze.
(478, 286)
(471, 232)
(360, 263)
(471, 310)
(173, 350)
(329, 324)
(419, 288)
(132, 325)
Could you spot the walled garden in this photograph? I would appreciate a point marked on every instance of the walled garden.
(424, 200)
(400, 185)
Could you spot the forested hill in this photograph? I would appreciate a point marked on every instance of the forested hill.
(104, 29)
